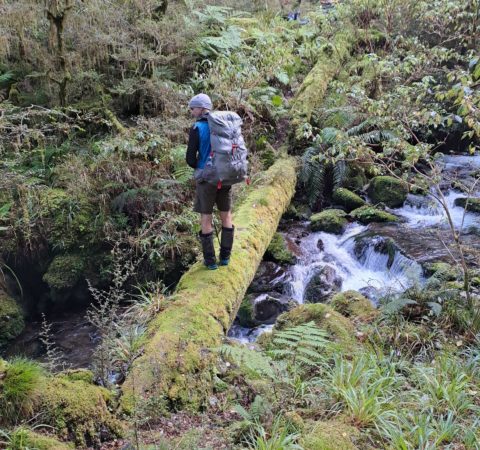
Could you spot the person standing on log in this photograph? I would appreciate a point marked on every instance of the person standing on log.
(207, 195)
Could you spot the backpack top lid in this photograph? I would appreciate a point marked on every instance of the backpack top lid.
(225, 123)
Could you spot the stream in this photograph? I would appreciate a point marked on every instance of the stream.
(377, 260)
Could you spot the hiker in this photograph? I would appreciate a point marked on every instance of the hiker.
(206, 194)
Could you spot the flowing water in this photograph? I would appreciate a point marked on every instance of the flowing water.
(358, 256)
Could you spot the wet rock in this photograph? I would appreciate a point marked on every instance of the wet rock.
(371, 293)
(388, 190)
(347, 199)
(320, 245)
(322, 285)
(330, 221)
(379, 244)
(470, 204)
(267, 308)
(270, 276)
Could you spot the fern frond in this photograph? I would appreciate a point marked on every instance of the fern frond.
(340, 173)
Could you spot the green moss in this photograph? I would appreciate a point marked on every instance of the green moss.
(388, 190)
(470, 204)
(22, 438)
(330, 221)
(367, 214)
(11, 318)
(347, 199)
(277, 251)
(74, 222)
(353, 304)
(78, 410)
(442, 271)
(332, 435)
(314, 86)
(84, 375)
(245, 313)
(65, 271)
(339, 328)
(176, 364)
(20, 386)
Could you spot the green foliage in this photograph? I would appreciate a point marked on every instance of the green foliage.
(20, 387)
(256, 364)
(300, 345)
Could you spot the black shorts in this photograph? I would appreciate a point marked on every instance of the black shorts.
(207, 195)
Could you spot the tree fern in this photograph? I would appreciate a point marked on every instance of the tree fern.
(301, 345)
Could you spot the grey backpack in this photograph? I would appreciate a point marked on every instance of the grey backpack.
(227, 163)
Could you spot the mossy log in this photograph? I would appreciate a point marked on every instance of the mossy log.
(312, 91)
(176, 366)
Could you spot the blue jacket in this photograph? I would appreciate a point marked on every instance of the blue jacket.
(199, 147)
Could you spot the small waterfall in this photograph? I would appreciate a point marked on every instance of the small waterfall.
(422, 211)
(371, 270)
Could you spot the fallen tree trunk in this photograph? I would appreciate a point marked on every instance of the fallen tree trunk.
(177, 364)
(312, 91)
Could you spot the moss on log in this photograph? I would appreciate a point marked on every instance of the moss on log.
(176, 366)
(312, 90)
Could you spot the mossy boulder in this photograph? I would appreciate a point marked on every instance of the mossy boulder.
(348, 199)
(388, 190)
(78, 411)
(368, 214)
(65, 271)
(278, 251)
(471, 204)
(331, 435)
(352, 304)
(11, 318)
(442, 271)
(24, 438)
(339, 328)
(330, 221)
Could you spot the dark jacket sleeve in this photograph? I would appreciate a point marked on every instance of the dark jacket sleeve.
(193, 147)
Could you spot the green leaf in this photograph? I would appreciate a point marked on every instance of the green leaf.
(4, 210)
(277, 101)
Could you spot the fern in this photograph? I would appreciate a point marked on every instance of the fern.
(6, 77)
(313, 176)
(257, 364)
(301, 345)
(183, 174)
(340, 173)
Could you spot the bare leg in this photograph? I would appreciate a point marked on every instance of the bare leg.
(206, 223)
(226, 217)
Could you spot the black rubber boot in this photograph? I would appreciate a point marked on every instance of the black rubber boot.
(208, 250)
(226, 244)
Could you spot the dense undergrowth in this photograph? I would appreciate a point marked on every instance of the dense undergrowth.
(95, 199)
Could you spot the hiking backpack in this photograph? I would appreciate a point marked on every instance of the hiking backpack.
(227, 163)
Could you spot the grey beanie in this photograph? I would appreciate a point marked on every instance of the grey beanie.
(200, 101)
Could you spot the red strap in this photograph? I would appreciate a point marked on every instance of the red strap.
(247, 180)
(219, 184)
